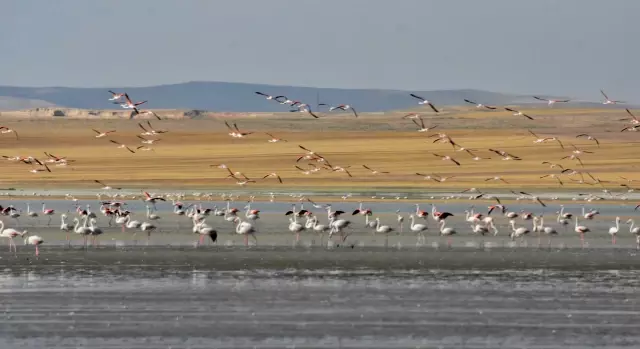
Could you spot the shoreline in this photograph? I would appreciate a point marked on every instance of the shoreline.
(348, 257)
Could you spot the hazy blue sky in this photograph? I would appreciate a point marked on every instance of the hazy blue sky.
(562, 47)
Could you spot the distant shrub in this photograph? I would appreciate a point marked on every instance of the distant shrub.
(58, 113)
(194, 113)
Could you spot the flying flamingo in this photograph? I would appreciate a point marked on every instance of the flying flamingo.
(480, 105)
(518, 113)
(100, 134)
(115, 96)
(344, 107)
(424, 101)
(607, 100)
(5, 129)
(129, 104)
(121, 146)
(551, 102)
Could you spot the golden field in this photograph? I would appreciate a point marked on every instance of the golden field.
(383, 141)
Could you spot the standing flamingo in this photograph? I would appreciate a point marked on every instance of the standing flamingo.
(10, 233)
(548, 231)
(581, 229)
(246, 229)
(148, 228)
(384, 229)
(613, 231)
(34, 240)
(446, 232)
(418, 229)
(66, 227)
(48, 212)
(400, 220)
(635, 231)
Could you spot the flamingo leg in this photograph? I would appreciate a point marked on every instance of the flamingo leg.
(613, 239)
(582, 239)
(49, 222)
(255, 239)
(37, 251)
(246, 240)
(148, 237)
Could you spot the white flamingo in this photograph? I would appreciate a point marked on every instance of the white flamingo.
(30, 213)
(384, 229)
(148, 228)
(34, 240)
(635, 231)
(400, 220)
(446, 232)
(418, 229)
(337, 226)
(548, 231)
(563, 221)
(295, 227)
(82, 230)
(319, 228)
(95, 231)
(246, 229)
(152, 216)
(66, 227)
(613, 231)
(519, 232)
(581, 229)
(10, 233)
(205, 230)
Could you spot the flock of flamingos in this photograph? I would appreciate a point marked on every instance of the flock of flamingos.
(85, 224)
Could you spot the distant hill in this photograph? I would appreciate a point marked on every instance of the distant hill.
(240, 97)
(15, 103)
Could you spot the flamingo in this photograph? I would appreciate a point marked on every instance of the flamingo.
(548, 231)
(581, 229)
(152, 216)
(439, 216)
(47, 212)
(205, 230)
(129, 104)
(295, 227)
(319, 228)
(246, 229)
(337, 225)
(66, 227)
(424, 101)
(30, 213)
(115, 96)
(563, 221)
(100, 134)
(613, 231)
(252, 214)
(10, 233)
(82, 230)
(34, 240)
(418, 229)
(551, 102)
(384, 229)
(589, 215)
(607, 100)
(94, 230)
(420, 213)
(131, 224)
(519, 232)
(446, 232)
(400, 220)
(635, 231)
(148, 228)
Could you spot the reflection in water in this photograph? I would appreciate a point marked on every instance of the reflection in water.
(150, 308)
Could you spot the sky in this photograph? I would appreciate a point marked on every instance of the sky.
(565, 48)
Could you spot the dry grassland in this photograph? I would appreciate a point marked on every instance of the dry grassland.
(183, 156)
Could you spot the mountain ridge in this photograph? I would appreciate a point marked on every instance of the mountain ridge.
(240, 97)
